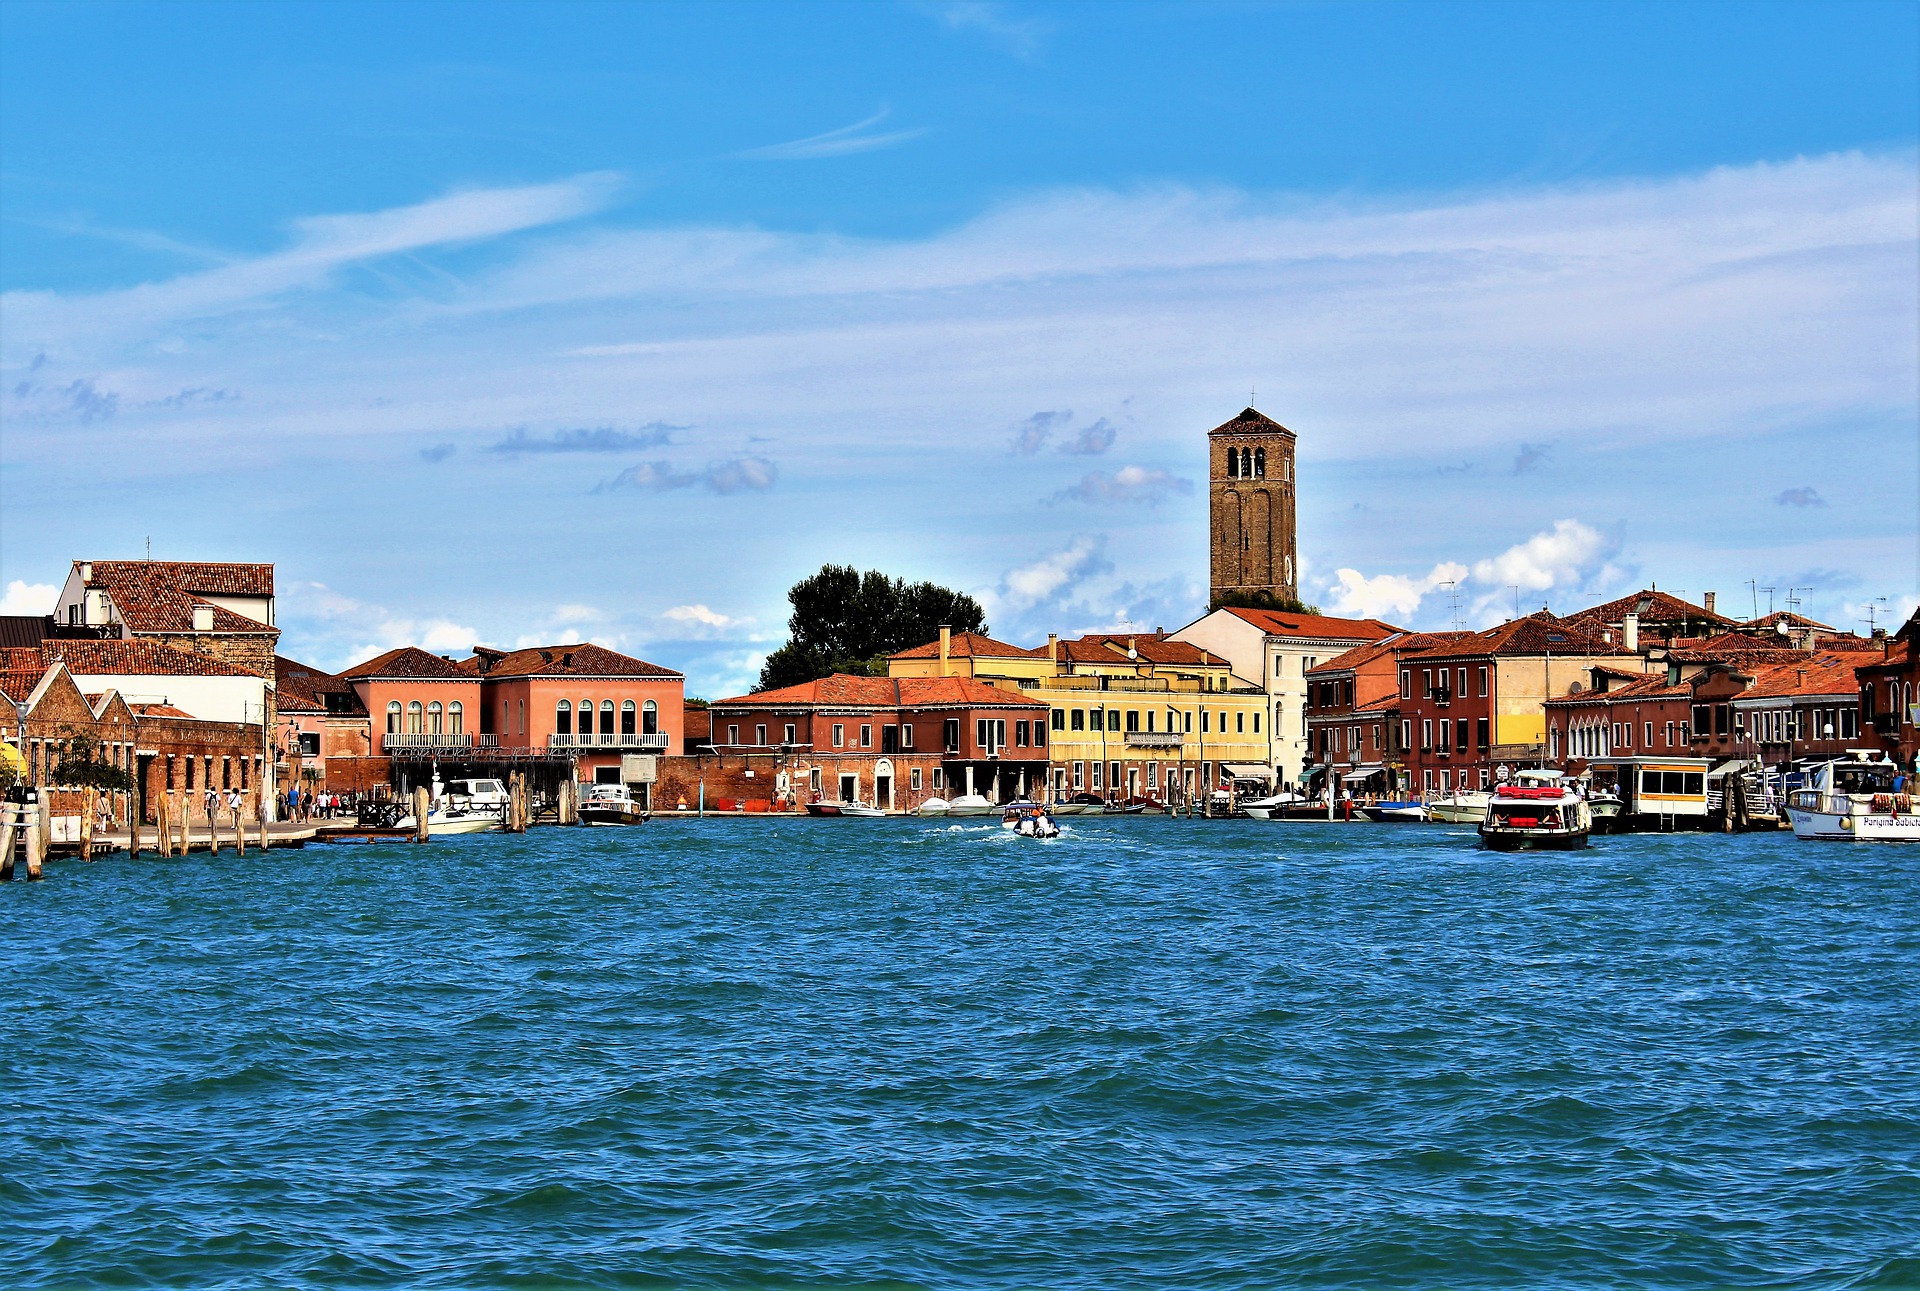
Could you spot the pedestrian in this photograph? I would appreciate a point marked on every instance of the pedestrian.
(234, 804)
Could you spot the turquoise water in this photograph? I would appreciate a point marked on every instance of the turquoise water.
(896, 1054)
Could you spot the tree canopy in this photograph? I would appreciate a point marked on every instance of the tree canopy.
(846, 621)
(1261, 601)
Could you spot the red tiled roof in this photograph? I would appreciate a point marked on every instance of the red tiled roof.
(1810, 674)
(134, 658)
(161, 710)
(1767, 622)
(1280, 623)
(161, 595)
(18, 683)
(1150, 647)
(1653, 607)
(844, 691)
(404, 663)
(1649, 686)
(1384, 704)
(968, 645)
(1410, 642)
(1251, 419)
(581, 660)
(1539, 633)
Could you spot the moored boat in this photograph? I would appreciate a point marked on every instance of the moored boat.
(609, 804)
(970, 804)
(1396, 813)
(1528, 818)
(932, 807)
(1855, 799)
(449, 821)
(852, 809)
(1469, 808)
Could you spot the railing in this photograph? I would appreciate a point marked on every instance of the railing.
(393, 740)
(608, 740)
(1155, 739)
(1442, 696)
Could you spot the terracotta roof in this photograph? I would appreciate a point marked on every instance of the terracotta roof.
(1251, 419)
(1848, 643)
(161, 710)
(580, 660)
(969, 645)
(1384, 704)
(1280, 623)
(1649, 686)
(1112, 647)
(1810, 674)
(1653, 607)
(17, 683)
(292, 701)
(1898, 654)
(406, 662)
(844, 691)
(1766, 622)
(1409, 642)
(1538, 633)
(161, 595)
(129, 658)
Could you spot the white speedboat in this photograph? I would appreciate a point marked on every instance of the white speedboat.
(1533, 818)
(449, 821)
(1396, 813)
(1852, 799)
(1459, 808)
(1067, 809)
(609, 804)
(1030, 821)
(1271, 806)
(932, 807)
(970, 804)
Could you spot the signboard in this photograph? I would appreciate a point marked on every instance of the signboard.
(639, 768)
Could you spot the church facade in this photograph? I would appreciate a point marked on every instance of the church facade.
(1251, 505)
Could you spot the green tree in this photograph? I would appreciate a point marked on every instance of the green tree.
(74, 761)
(846, 621)
(1261, 601)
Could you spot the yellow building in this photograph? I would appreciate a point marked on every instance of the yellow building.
(1133, 714)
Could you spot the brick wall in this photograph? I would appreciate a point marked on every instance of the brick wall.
(726, 778)
(229, 753)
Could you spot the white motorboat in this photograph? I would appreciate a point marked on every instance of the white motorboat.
(970, 804)
(855, 809)
(450, 821)
(1531, 818)
(609, 804)
(932, 807)
(1853, 799)
(1459, 808)
(1271, 806)
(1067, 809)
(1396, 813)
(1031, 821)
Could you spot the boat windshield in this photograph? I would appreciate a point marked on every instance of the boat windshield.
(1862, 778)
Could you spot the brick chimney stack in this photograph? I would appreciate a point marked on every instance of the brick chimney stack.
(1708, 602)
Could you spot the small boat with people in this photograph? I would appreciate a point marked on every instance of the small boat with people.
(609, 804)
(1030, 820)
(1533, 818)
(1860, 798)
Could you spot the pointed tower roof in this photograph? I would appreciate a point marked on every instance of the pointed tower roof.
(1251, 421)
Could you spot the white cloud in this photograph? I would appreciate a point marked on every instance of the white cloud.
(699, 614)
(858, 137)
(1026, 584)
(1387, 596)
(1135, 484)
(23, 597)
(1564, 556)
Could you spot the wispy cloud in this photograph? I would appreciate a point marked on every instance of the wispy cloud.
(732, 475)
(596, 439)
(1031, 435)
(858, 137)
(1531, 457)
(1019, 36)
(1800, 497)
(437, 453)
(1129, 484)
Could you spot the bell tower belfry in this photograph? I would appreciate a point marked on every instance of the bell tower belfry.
(1250, 501)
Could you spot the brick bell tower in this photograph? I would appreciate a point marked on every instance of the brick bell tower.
(1250, 496)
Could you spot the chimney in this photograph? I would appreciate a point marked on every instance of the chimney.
(86, 571)
(1133, 647)
(946, 644)
(1630, 634)
(1053, 649)
(1708, 602)
(203, 618)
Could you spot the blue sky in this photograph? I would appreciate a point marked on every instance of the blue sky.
(519, 322)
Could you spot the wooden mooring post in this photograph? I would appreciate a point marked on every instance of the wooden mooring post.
(422, 806)
(86, 828)
(186, 824)
(260, 814)
(12, 827)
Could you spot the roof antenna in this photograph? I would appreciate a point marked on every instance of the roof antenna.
(149, 548)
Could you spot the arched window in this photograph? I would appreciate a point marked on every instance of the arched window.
(413, 718)
(1246, 463)
(586, 717)
(606, 717)
(456, 718)
(433, 717)
(563, 718)
(393, 718)
(1233, 463)
(1259, 463)
(650, 719)
(626, 717)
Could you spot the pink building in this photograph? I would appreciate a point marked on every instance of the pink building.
(582, 701)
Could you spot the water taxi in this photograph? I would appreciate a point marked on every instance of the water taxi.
(1533, 818)
(609, 804)
(1856, 799)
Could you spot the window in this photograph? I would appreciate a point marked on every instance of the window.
(937, 778)
(1020, 735)
(906, 736)
(1206, 721)
(1483, 681)
(1039, 736)
(1153, 775)
(1446, 780)
(760, 733)
(1239, 723)
(813, 779)
(839, 734)
(1149, 719)
(522, 710)
(586, 717)
(788, 731)
(1648, 732)
(456, 718)
(1486, 779)
(1427, 780)
(1133, 719)
(1426, 683)
(393, 720)
(1059, 719)
(1233, 463)
(1480, 732)
(627, 716)
(950, 734)
(413, 718)
(1426, 734)
(1079, 775)
(733, 736)
(866, 736)
(913, 779)
(1079, 720)
(1553, 743)
(1849, 724)
(606, 717)
(1096, 777)
(1461, 687)
(1096, 719)
(434, 714)
(650, 718)
(1259, 463)
(1406, 683)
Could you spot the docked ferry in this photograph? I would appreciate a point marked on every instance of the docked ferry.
(1854, 800)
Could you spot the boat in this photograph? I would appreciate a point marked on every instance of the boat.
(1858, 799)
(609, 804)
(1609, 812)
(1468, 808)
(1081, 804)
(1030, 821)
(1265, 808)
(1396, 813)
(856, 809)
(932, 807)
(969, 804)
(1067, 808)
(1531, 818)
(446, 820)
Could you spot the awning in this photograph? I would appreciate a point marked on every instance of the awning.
(1726, 769)
(1367, 772)
(1311, 774)
(1248, 770)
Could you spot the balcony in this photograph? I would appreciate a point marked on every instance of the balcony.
(1886, 723)
(610, 740)
(1154, 739)
(1441, 696)
(415, 741)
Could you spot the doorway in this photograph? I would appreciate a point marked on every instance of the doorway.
(606, 775)
(849, 788)
(883, 783)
